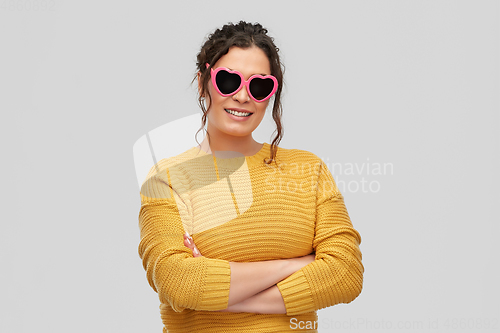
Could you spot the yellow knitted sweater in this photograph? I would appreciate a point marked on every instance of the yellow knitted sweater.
(239, 209)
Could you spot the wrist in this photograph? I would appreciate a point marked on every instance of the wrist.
(290, 266)
(268, 301)
(295, 264)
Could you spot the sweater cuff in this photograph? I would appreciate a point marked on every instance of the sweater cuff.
(296, 294)
(216, 292)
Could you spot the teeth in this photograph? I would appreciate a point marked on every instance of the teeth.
(236, 113)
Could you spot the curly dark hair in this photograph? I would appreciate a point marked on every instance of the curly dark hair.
(243, 35)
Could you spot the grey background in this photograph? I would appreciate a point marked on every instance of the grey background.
(412, 84)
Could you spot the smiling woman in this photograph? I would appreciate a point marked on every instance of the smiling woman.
(225, 250)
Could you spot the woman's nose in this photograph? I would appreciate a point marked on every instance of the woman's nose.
(242, 95)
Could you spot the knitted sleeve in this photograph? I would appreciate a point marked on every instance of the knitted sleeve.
(336, 276)
(179, 279)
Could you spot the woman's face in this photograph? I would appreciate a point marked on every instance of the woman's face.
(220, 123)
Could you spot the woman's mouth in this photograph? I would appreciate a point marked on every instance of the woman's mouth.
(238, 114)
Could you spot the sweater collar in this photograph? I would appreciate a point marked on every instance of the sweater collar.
(252, 161)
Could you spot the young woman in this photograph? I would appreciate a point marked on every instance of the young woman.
(240, 236)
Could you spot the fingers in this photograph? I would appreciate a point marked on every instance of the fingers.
(188, 242)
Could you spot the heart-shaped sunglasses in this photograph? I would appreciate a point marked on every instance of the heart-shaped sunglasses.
(228, 82)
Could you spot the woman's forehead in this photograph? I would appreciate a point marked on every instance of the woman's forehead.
(248, 61)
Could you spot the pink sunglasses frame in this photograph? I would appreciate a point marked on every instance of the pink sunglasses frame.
(213, 74)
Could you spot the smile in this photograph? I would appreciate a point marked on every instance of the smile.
(238, 114)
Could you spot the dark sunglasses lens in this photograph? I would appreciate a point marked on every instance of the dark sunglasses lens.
(227, 82)
(261, 88)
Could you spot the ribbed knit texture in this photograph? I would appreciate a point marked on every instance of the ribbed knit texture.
(240, 209)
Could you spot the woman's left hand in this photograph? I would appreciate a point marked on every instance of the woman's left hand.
(188, 242)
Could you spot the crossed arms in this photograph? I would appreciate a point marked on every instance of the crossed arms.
(253, 284)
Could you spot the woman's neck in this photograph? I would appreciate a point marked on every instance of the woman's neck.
(246, 146)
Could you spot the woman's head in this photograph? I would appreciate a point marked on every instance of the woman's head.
(247, 48)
